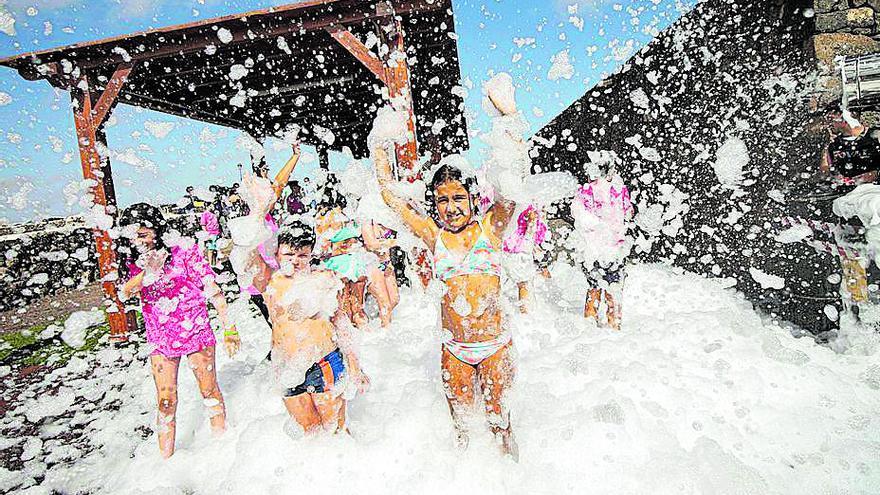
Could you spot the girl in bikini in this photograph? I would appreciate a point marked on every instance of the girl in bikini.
(467, 252)
(350, 259)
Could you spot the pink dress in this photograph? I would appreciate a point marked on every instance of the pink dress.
(174, 306)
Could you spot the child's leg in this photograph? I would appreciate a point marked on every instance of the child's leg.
(302, 409)
(458, 384)
(331, 411)
(205, 369)
(391, 286)
(165, 375)
(523, 288)
(614, 295)
(591, 305)
(496, 376)
(380, 293)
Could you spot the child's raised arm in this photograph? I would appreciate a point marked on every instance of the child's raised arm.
(422, 226)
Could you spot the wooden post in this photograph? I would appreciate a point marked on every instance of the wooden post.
(398, 81)
(394, 74)
(90, 112)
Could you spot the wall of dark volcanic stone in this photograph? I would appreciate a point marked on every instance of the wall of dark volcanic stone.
(62, 249)
(729, 69)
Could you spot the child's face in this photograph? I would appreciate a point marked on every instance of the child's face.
(144, 239)
(453, 203)
(294, 259)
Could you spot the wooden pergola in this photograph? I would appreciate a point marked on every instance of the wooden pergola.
(323, 66)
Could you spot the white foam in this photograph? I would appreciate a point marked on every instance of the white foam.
(696, 394)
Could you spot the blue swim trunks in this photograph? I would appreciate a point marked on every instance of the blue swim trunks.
(321, 377)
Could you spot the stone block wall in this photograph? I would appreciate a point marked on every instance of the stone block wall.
(843, 28)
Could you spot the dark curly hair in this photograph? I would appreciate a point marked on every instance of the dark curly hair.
(331, 197)
(444, 174)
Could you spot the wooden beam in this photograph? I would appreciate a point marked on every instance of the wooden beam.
(359, 51)
(398, 77)
(177, 41)
(185, 111)
(96, 169)
(110, 95)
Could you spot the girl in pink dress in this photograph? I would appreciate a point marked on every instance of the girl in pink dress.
(173, 284)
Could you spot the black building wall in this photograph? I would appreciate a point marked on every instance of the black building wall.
(728, 68)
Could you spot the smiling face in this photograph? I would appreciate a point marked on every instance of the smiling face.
(454, 205)
(294, 259)
(144, 239)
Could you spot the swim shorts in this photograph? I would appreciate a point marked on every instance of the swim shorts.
(321, 377)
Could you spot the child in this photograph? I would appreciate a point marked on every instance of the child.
(174, 284)
(602, 211)
(211, 227)
(523, 254)
(311, 339)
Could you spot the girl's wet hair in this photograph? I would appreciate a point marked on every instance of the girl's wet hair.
(296, 234)
(443, 175)
(141, 215)
(146, 215)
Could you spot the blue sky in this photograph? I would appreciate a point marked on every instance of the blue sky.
(38, 156)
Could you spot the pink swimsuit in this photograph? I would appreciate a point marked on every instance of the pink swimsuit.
(268, 257)
(174, 306)
(516, 241)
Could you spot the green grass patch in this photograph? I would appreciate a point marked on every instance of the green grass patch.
(56, 352)
(13, 341)
(26, 348)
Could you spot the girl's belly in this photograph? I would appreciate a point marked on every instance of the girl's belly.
(470, 309)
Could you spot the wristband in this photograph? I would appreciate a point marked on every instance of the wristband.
(231, 333)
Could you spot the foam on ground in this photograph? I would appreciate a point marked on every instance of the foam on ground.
(696, 395)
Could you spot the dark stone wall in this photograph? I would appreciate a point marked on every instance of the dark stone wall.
(63, 249)
(66, 256)
(729, 68)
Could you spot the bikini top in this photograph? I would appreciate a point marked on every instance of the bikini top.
(481, 259)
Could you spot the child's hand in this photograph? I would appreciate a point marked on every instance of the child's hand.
(361, 381)
(501, 92)
(231, 341)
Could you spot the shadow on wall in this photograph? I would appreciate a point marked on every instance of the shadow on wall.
(713, 125)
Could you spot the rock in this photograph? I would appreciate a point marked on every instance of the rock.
(826, 47)
(830, 22)
(823, 6)
(860, 18)
(845, 20)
